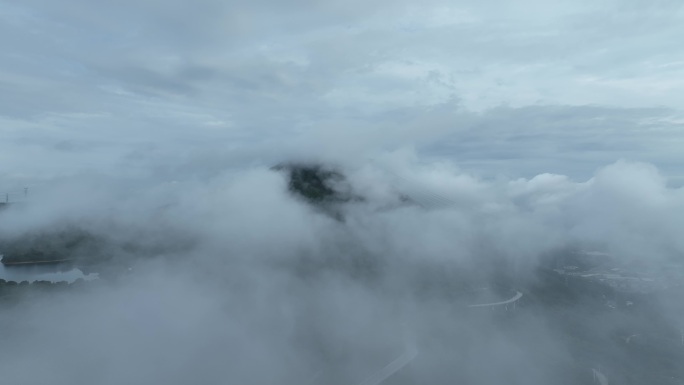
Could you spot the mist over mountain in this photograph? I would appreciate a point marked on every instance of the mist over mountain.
(254, 279)
(341, 192)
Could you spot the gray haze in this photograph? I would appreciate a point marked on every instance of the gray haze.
(539, 125)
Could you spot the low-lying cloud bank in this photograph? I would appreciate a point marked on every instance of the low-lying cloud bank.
(234, 279)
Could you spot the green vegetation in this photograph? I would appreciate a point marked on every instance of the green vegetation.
(316, 183)
(66, 244)
(14, 292)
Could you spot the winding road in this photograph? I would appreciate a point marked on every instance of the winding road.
(513, 299)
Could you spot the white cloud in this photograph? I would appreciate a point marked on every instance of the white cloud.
(237, 280)
(152, 122)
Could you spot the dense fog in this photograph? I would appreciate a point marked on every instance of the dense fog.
(238, 279)
(341, 192)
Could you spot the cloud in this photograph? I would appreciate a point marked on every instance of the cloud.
(257, 78)
(484, 137)
(267, 289)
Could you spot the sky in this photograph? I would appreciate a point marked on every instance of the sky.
(502, 89)
(153, 126)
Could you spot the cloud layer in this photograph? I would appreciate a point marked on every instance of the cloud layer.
(240, 281)
(140, 85)
(483, 136)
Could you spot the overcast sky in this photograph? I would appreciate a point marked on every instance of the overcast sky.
(498, 87)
